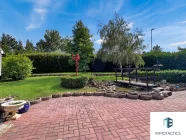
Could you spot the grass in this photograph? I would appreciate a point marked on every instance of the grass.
(34, 87)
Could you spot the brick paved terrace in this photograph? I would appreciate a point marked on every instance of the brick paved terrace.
(91, 118)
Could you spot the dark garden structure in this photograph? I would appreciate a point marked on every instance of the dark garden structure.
(146, 81)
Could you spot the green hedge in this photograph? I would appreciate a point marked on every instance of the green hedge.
(50, 62)
(74, 81)
(170, 60)
(171, 76)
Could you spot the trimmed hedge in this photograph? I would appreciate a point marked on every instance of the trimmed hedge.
(50, 62)
(171, 76)
(169, 60)
(74, 81)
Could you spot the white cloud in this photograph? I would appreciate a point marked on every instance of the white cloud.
(32, 26)
(40, 10)
(99, 41)
(130, 25)
(178, 43)
(105, 8)
(183, 22)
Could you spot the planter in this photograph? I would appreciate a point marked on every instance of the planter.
(158, 96)
(56, 95)
(36, 101)
(133, 95)
(67, 94)
(145, 96)
(12, 107)
(46, 98)
(88, 93)
(25, 108)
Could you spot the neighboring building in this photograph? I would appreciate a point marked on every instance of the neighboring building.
(1, 54)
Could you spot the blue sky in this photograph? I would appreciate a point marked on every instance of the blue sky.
(28, 19)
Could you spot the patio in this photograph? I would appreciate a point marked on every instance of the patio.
(91, 118)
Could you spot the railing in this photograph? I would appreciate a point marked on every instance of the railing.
(136, 76)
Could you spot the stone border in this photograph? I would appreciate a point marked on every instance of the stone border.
(46, 98)
(118, 94)
(145, 96)
(56, 95)
(36, 101)
(133, 95)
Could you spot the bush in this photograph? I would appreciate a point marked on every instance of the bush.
(171, 76)
(16, 67)
(74, 81)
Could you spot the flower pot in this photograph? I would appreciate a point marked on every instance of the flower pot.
(25, 108)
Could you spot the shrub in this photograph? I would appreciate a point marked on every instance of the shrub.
(50, 62)
(16, 67)
(74, 81)
(171, 76)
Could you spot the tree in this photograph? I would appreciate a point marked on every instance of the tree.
(82, 45)
(157, 51)
(52, 42)
(8, 43)
(181, 49)
(119, 45)
(19, 49)
(29, 47)
(157, 48)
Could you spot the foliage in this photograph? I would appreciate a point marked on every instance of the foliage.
(82, 45)
(10, 45)
(16, 67)
(169, 60)
(74, 81)
(171, 76)
(29, 47)
(50, 62)
(34, 87)
(119, 45)
(157, 48)
(52, 42)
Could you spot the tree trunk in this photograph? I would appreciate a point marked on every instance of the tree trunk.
(121, 68)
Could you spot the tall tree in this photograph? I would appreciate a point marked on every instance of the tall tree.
(82, 45)
(19, 49)
(29, 47)
(119, 44)
(157, 48)
(181, 49)
(52, 42)
(8, 43)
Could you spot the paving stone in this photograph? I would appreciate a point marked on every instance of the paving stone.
(91, 117)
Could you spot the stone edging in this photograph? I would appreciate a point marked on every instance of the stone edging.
(118, 94)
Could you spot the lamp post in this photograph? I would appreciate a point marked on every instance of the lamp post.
(76, 58)
(151, 38)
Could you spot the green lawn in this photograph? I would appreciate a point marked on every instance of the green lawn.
(34, 87)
